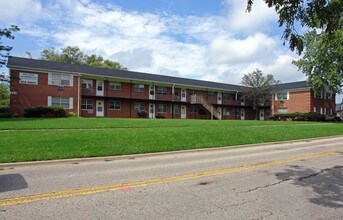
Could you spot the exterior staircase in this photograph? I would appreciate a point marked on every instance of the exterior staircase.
(198, 99)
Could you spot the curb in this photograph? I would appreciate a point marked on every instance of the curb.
(133, 156)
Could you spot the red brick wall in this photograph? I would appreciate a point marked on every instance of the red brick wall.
(35, 95)
(299, 101)
(123, 93)
(140, 95)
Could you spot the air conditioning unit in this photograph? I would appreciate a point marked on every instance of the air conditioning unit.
(60, 88)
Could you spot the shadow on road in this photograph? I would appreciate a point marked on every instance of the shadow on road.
(327, 183)
(10, 182)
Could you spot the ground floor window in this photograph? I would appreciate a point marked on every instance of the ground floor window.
(139, 106)
(226, 111)
(282, 110)
(87, 104)
(193, 109)
(67, 103)
(114, 105)
(161, 108)
(328, 111)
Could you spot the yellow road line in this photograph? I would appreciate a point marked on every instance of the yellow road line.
(141, 183)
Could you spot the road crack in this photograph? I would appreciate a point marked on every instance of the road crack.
(302, 178)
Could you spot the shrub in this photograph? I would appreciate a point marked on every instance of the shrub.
(45, 112)
(299, 116)
(5, 112)
(72, 114)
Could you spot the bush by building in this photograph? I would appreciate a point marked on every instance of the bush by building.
(298, 116)
(45, 112)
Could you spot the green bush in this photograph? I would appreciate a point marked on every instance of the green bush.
(45, 112)
(5, 112)
(299, 116)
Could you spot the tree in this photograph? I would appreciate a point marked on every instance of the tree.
(74, 55)
(322, 62)
(314, 14)
(4, 50)
(4, 96)
(259, 88)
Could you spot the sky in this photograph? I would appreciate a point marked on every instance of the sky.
(214, 40)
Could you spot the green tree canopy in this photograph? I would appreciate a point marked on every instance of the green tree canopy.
(4, 96)
(322, 60)
(259, 88)
(74, 55)
(4, 50)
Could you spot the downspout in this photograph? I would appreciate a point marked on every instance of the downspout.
(173, 91)
(130, 98)
(78, 94)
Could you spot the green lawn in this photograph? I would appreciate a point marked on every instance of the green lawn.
(45, 139)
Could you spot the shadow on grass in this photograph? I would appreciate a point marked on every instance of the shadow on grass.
(326, 183)
(11, 182)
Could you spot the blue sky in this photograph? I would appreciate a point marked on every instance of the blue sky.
(201, 39)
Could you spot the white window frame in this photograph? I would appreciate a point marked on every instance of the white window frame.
(211, 94)
(88, 83)
(139, 87)
(284, 93)
(87, 104)
(226, 111)
(115, 86)
(282, 110)
(114, 105)
(139, 106)
(58, 79)
(162, 108)
(328, 95)
(318, 95)
(161, 90)
(60, 101)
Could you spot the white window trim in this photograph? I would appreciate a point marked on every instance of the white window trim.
(116, 85)
(71, 101)
(276, 98)
(114, 109)
(71, 79)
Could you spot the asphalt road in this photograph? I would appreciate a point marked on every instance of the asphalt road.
(300, 180)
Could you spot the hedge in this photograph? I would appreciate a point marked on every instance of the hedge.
(299, 116)
(45, 112)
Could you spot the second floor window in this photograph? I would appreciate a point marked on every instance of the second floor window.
(87, 84)
(60, 79)
(138, 87)
(328, 95)
(282, 96)
(211, 95)
(161, 90)
(115, 86)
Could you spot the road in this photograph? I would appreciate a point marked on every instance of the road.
(297, 180)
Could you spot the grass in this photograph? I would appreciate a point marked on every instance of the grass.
(45, 139)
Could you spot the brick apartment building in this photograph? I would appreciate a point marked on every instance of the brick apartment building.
(97, 92)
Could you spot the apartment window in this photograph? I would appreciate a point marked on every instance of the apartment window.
(116, 86)
(192, 92)
(161, 90)
(138, 87)
(281, 96)
(226, 111)
(226, 96)
(328, 95)
(161, 108)
(176, 92)
(62, 102)
(328, 111)
(316, 109)
(60, 79)
(211, 95)
(193, 109)
(176, 109)
(114, 105)
(282, 110)
(87, 104)
(87, 84)
(318, 95)
(139, 106)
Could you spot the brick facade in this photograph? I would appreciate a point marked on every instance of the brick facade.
(96, 96)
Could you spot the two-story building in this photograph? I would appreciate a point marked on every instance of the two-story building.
(98, 92)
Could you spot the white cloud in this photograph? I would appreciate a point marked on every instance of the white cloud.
(217, 48)
(20, 11)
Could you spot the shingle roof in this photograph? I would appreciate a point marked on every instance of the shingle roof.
(73, 68)
(66, 67)
(293, 85)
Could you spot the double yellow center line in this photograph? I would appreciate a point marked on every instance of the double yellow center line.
(141, 183)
